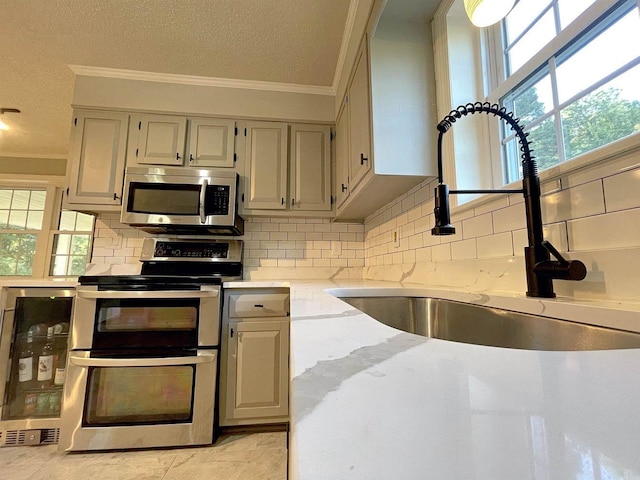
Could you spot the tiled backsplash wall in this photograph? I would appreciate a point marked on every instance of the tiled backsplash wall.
(592, 213)
(274, 248)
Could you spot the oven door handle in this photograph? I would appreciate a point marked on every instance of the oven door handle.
(203, 198)
(116, 294)
(141, 362)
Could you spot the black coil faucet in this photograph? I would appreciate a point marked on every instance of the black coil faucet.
(540, 269)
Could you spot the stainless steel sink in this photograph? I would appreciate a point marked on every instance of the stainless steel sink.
(467, 323)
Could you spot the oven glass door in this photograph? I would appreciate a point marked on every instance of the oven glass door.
(139, 395)
(115, 402)
(132, 319)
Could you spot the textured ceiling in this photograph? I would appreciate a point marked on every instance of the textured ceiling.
(285, 41)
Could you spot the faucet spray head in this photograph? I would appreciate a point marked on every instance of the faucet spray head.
(441, 211)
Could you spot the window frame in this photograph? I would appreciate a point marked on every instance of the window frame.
(496, 86)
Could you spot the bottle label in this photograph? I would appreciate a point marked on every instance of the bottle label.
(25, 369)
(60, 376)
(45, 368)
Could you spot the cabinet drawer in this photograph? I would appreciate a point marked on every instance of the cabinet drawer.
(258, 305)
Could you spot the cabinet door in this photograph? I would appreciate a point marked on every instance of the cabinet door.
(310, 167)
(266, 169)
(211, 142)
(97, 157)
(257, 369)
(359, 120)
(161, 140)
(342, 156)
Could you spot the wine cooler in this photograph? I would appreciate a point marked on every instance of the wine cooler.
(34, 332)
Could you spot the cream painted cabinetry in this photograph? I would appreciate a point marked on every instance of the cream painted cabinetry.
(287, 169)
(96, 160)
(390, 107)
(177, 140)
(342, 155)
(254, 370)
(265, 166)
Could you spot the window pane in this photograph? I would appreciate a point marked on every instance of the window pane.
(78, 265)
(570, 9)
(34, 220)
(59, 265)
(544, 145)
(18, 253)
(84, 222)
(67, 220)
(4, 218)
(5, 198)
(17, 220)
(600, 57)
(602, 117)
(37, 199)
(80, 244)
(534, 101)
(522, 15)
(61, 244)
(20, 199)
(532, 42)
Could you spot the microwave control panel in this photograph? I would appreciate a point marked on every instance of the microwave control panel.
(217, 200)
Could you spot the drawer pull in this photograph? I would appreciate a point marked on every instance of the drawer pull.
(258, 305)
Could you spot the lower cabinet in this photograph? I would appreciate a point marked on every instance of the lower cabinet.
(254, 377)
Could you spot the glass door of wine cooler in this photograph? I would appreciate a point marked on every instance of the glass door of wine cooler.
(33, 355)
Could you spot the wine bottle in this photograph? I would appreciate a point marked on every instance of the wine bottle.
(26, 363)
(45, 361)
(61, 361)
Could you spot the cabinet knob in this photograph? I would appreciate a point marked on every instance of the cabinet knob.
(363, 159)
(190, 157)
(282, 202)
(177, 156)
(115, 196)
(344, 187)
(293, 202)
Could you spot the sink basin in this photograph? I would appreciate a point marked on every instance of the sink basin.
(467, 323)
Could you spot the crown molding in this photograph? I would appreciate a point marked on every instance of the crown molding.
(88, 71)
(346, 38)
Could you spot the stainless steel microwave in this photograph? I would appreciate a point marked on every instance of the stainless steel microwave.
(181, 201)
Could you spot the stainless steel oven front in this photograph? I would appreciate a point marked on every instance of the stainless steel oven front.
(142, 366)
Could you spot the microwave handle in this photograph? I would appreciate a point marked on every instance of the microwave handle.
(203, 197)
(141, 362)
(117, 294)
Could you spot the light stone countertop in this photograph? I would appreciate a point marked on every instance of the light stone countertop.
(371, 402)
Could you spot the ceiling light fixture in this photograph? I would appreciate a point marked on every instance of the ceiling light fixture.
(4, 126)
(483, 13)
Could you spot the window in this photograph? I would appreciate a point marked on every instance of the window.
(571, 73)
(37, 238)
(71, 244)
(21, 215)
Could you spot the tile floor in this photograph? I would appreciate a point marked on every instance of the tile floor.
(254, 456)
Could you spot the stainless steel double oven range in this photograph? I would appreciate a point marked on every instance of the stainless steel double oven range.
(143, 349)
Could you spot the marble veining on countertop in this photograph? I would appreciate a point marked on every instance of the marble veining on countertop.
(372, 402)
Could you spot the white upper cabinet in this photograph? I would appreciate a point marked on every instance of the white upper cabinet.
(359, 104)
(266, 166)
(310, 167)
(181, 141)
(211, 142)
(390, 103)
(161, 140)
(342, 155)
(97, 159)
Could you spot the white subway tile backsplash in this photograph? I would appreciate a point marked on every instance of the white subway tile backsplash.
(622, 191)
(440, 253)
(580, 201)
(477, 226)
(464, 249)
(499, 245)
(509, 218)
(612, 230)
